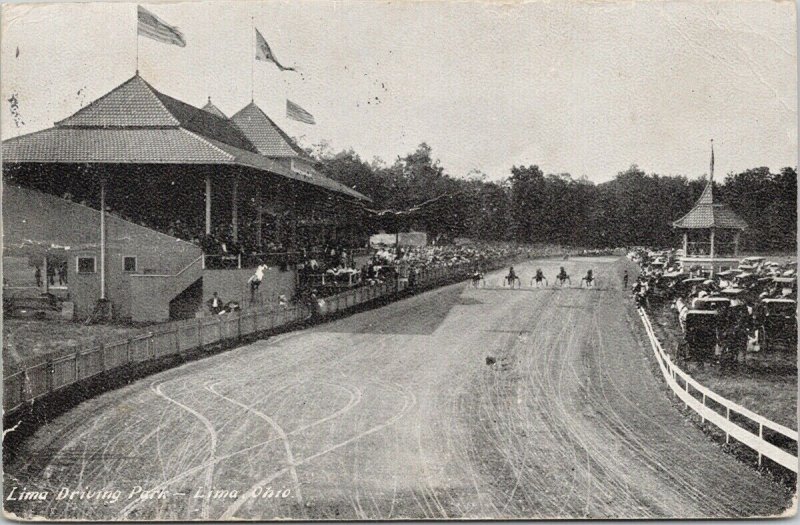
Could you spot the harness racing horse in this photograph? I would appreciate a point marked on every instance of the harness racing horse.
(589, 279)
(477, 279)
(563, 277)
(539, 278)
(511, 279)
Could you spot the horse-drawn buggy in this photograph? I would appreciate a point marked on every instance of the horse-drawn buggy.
(712, 303)
(701, 336)
(682, 287)
(776, 321)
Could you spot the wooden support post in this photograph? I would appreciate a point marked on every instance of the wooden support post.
(46, 277)
(760, 436)
(703, 417)
(711, 249)
(102, 238)
(49, 371)
(728, 418)
(235, 207)
(259, 216)
(208, 203)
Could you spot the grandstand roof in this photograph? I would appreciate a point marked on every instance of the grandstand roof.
(708, 214)
(268, 138)
(135, 123)
(214, 110)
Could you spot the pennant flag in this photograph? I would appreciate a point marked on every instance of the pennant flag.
(295, 112)
(265, 54)
(153, 27)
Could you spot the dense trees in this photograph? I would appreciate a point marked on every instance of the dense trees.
(634, 208)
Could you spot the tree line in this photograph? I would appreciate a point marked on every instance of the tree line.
(634, 208)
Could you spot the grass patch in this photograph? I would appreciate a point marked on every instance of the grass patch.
(765, 383)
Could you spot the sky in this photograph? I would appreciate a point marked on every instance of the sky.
(586, 88)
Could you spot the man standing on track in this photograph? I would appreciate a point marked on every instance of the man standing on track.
(625, 280)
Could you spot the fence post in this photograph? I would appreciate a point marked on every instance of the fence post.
(686, 403)
(103, 356)
(177, 339)
(703, 417)
(728, 418)
(760, 436)
(22, 385)
(199, 333)
(77, 356)
(151, 350)
(128, 345)
(49, 375)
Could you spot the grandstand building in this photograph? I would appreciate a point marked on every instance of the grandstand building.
(160, 166)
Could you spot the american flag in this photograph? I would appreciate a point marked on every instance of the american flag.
(153, 27)
(295, 112)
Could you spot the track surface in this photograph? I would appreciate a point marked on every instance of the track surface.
(395, 413)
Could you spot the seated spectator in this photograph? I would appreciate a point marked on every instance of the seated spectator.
(215, 304)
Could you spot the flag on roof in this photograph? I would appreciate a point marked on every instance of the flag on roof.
(153, 27)
(264, 53)
(295, 112)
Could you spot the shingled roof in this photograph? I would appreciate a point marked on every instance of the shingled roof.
(214, 110)
(135, 123)
(708, 214)
(268, 138)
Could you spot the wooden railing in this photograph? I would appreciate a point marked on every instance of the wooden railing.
(696, 396)
(33, 381)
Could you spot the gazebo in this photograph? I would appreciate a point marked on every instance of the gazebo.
(710, 232)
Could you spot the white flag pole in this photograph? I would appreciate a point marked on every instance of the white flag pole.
(136, 34)
(252, 57)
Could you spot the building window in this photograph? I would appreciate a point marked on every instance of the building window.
(86, 265)
(129, 264)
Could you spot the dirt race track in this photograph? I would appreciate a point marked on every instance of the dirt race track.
(397, 413)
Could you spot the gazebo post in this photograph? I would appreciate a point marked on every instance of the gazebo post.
(235, 207)
(711, 252)
(46, 278)
(208, 202)
(685, 243)
(736, 243)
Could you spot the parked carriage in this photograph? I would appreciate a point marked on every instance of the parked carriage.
(776, 321)
(702, 334)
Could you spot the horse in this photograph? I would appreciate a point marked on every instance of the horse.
(539, 278)
(588, 279)
(477, 279)
(562, 277)
(511, 279)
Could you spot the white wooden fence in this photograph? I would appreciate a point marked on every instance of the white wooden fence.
(696, 396)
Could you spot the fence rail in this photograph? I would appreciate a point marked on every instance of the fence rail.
(682, 385)
(29, 383)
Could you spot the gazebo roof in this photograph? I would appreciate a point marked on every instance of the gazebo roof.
(136, 124)
(707, 214)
